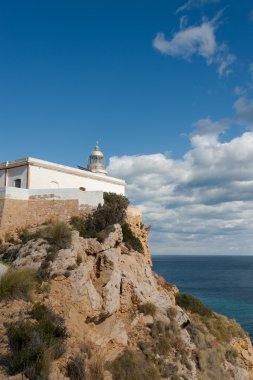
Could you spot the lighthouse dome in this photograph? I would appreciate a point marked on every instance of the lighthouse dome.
(96, 162)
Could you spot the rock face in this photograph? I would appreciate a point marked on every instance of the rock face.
(99, 289)
(134, 219)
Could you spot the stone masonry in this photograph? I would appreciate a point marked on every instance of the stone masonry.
(17, 214)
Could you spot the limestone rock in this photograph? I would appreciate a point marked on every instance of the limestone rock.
(97, 288)
(32, 254)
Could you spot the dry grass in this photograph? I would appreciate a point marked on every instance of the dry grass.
(17, 284)
(148, 309)
(76, 369)
(222, 328)
(133, 366)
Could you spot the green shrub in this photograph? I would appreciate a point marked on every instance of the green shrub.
(25, 235)
(34, 345)
(190, 303)
(231, 355)
(133, 366)
(222, 328)
(83, 226)
(131, 241)
(102, 235)
(79, 260)
(16, 284)
(76, 369)
(163, 345)
(58, 234)
(43, 273)
(50, 323)
(148, 309)
(9, 238)
(99, 224)
(172, 312)
(112, 212)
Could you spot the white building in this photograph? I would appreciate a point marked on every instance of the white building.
(42, 177)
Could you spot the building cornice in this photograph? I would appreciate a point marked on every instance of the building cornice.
(60, 168)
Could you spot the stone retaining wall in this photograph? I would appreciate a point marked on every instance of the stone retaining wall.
(16, 214)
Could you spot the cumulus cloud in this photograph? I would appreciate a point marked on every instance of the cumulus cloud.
(195, 4)
(240, 91)
(244, 111)
(202, 203)
(197, 40)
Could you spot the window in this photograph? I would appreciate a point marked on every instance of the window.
(17, 182)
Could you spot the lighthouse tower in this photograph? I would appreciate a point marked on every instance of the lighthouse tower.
(96, 162)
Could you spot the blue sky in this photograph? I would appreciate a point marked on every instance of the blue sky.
(151, 80)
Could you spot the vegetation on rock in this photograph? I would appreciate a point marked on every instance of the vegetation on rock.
(131, 241)
(192, 304)
(101, 302)
(34, 344)
(76, 369)
(100, 222)
(133, 366)
(17, 284)
(57, 234)
(148, 308)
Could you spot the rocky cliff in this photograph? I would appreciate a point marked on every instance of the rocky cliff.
(120, 319)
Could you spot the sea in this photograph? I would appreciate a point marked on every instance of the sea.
(223, 283)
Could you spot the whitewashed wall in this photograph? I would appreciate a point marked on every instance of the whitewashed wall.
(2, 178)
(14, 193)
(43, 178)
(17, 173)
(90, 198)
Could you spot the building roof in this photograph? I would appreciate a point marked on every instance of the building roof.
(62, 168)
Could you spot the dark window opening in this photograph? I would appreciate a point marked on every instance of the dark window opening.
(17, 183)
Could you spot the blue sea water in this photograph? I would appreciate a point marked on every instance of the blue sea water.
(224, 283)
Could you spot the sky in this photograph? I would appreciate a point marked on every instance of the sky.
(167, 89)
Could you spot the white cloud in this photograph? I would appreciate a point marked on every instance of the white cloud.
(240, 91)
(244, 111)
(193, 40)
(197, 40)
(195, 4)
(202, 203)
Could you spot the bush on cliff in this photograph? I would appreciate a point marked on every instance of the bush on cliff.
(131, 241)
(34, 345)
(99, 223)
(222, 328)
(76, 369)
(17, 284)
(148, 308)
(25, 235)
(192, 304)
(133, 366)
(57, 234)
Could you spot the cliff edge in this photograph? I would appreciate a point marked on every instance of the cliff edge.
(92, 309)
